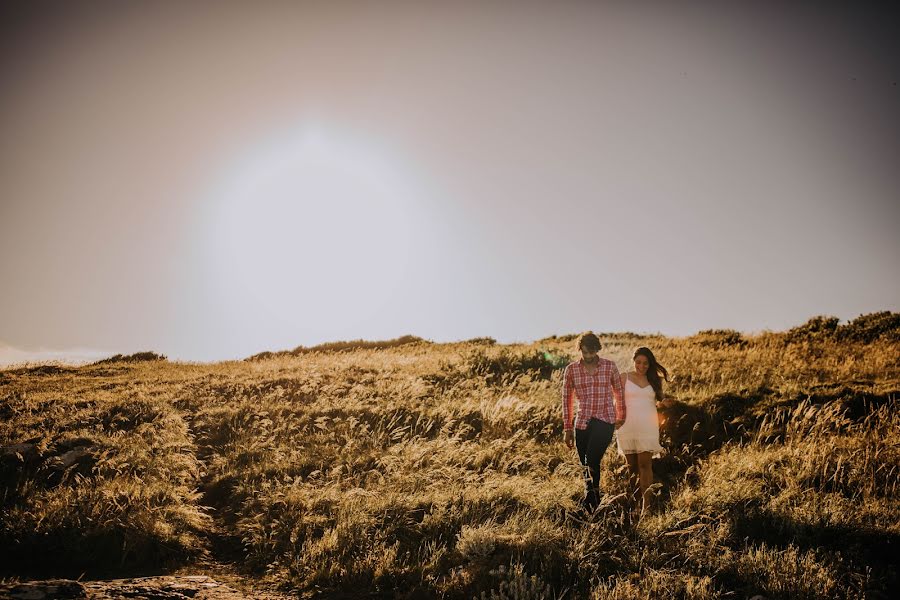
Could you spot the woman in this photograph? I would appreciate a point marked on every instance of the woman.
(638, 438)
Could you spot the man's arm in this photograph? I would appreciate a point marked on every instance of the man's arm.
(568, 391)
(619, 394)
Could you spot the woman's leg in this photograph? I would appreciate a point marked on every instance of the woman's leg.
(645, 469)
(633, 477)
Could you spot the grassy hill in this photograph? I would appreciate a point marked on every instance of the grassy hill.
(423, 470)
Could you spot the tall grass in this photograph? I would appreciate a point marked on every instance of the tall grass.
(436, 469)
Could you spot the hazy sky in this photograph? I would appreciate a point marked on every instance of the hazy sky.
(210, 180)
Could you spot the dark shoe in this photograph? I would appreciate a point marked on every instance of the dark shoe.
(591, 500)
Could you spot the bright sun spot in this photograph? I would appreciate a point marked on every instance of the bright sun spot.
(313, 224)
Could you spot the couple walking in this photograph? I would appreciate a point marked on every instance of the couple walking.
(608, 401)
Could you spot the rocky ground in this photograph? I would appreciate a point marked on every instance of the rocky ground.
(170, 587)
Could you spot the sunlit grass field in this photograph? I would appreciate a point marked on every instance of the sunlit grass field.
(416, 470)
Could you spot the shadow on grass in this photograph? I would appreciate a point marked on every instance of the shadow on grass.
(691, 432)
(861, 550)
(857, 404)
(874, 548)
(106, 554)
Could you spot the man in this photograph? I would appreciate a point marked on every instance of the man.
(597, 384)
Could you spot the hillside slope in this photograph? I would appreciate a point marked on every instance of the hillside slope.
(425, 470)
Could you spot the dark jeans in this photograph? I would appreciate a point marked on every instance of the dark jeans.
(591, 443)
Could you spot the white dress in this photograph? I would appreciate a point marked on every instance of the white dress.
(640, 432)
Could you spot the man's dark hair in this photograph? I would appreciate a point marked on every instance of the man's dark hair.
(589, 342)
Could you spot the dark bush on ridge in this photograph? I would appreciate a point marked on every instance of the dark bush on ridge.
(865, 328)
(719, 338)
(136, 357)
(481, 341)
(816, 328)
(872, 327)
(343, 347)
(568, 337)
(506, 363)
(358, 345)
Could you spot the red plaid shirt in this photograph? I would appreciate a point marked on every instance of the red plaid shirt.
(595, 394)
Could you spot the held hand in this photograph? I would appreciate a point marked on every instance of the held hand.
(568, 438)
(619, 423)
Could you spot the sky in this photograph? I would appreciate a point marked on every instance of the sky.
(209, 180)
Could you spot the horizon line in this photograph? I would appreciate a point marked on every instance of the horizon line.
(12, 357)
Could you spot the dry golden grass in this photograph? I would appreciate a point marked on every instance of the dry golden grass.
(419, 470)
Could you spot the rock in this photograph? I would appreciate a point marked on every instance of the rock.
(43, 590)
(197, 578)
(165, 587)
(16, 461)
(66, 444)
(78, 456)
(20, 453)
(198, 587)
(58, 468)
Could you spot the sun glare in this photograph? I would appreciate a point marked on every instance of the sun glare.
(310, 225)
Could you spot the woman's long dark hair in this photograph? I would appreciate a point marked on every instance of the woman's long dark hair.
(655, 372)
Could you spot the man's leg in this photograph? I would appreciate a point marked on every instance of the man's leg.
(582, 436)
(600, 436)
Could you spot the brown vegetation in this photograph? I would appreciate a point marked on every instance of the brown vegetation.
(344, 347)
(436, 469)
(136, 357)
